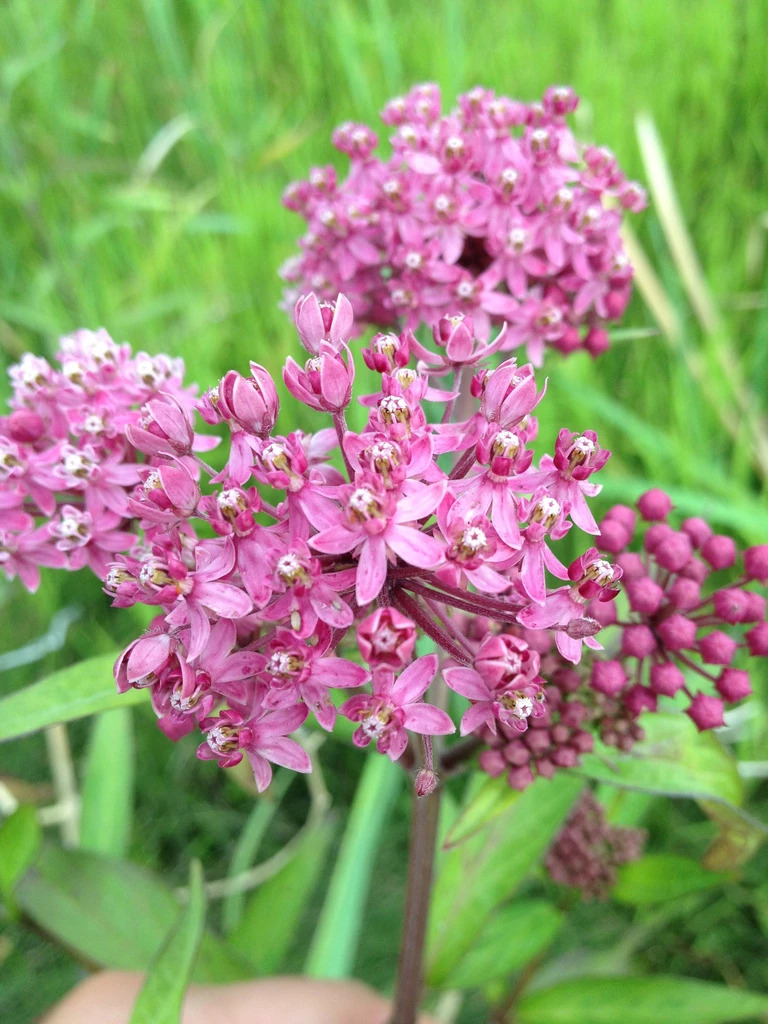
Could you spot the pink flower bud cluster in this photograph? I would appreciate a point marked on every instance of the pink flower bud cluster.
(588, 851)
(690, 626)
(687, 633)
(263, 573)
(68, 451)
(493, 210)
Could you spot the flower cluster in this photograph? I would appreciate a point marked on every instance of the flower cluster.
(685, 622)
(371, 529)
(68, 458)
(493, 210)
(587, 850)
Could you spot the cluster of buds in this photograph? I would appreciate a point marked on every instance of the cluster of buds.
(588, 851)
(687, 632)
(494, 210)
(372, 532)
(68, 451)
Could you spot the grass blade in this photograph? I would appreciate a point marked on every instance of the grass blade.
(332, 952)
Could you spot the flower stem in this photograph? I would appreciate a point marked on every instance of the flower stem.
(340, 424)
(424, 819)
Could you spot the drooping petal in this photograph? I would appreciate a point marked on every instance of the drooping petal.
(371, 569)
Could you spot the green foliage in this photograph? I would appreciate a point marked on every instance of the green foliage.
(673, 760)
(161, 996)
(269, 923)
(76, 691)
(477, 875)
(107, 798)
(20, 837)
(112, 913)
(334, 943)
(512, 937)
(663, 876)
(656, 1000)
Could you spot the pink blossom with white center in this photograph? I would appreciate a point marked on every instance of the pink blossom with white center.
(306, 594)
(577, 457)
(395, 707)
(263, 739)
(295, 672)
(90, 540)
(375, 521)
(546, 518)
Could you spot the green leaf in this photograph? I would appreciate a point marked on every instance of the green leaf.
(276, 907)
(487, 802)
(474, 877)
(248, 842)
(648, 1000)
(662, 876)
(674, 759)
(334, 943)
(20, 836)
(105, 822)
(162, 994)
(513, 936)
(76, 691)
(113, 913)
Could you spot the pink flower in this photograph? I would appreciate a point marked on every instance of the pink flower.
(319, 321)
(395, 706)
(263, 738)
(386, 637)
(375, 520)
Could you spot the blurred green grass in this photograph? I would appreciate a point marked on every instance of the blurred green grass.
(143, 151)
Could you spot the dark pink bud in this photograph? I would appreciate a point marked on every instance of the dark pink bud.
(492, 762)
(568, 342)
(597, 341)
(318, 321)
(673, 552)
(756, 563)
(666, 679)
(706, 712)
(567, 679)
(578, 629)
(537, 740)
(516, 752)
(654, 505)
(545, 767)
(698, 530)
(608, 677)
(733, 684)
(756, 607)
(426, 782)
(583, 742)
(731, 605)
(638, 699)
(623, 514)
(719, 551)
(25, 426)
(684, 594)
(521, 778)
(613, 536)
(695, 569)
(604, 612)
(757, 640)
(251, 402)
(717, 648)
(632, 566)
(677, 632)
(644, 595)
(637, 641)
(565, 757)
(386, 637)
(656, 535)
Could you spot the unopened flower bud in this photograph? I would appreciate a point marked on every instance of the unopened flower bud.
(706, 712)
(719, 551)
(677, 632)
(717, 648)
(654, 505)
(733, 684)
(756, 563)
(666, 679)
(426, 782)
